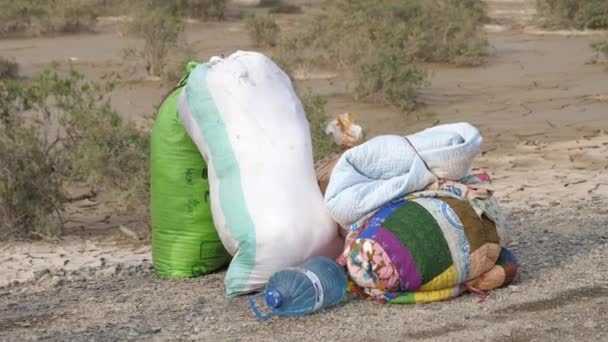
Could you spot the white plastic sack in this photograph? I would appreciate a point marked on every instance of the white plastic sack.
(243, 114)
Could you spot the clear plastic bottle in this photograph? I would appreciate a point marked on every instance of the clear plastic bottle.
(318, 283)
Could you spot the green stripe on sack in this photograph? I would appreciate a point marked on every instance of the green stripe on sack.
(226, 167)
(416, 228)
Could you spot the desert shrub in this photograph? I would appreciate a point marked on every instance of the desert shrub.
(322, 144)
(429, 31)
(284, 62)
(600, 49)
(55, 130)
(285, 8)
(20, 17)
(9, 69)
(382, 42)
(200, 9)
(174, 71)
(33, 17)
(263, 30)
(104, 150)
(31, 166)
(205, 9)
(112, 7)
(579, 14)
(160, 29)
(72, 16)
(384, 77)
(269, 3)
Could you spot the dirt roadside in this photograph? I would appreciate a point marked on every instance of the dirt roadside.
(561, 294)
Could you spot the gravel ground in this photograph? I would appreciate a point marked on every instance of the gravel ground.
(561, 294)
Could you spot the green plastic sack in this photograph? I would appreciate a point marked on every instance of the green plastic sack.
(184, 240)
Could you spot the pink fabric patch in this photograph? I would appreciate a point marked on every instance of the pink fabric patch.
(483, 176)
(371, 268)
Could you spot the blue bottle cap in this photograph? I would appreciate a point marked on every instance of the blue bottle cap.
(274, 299)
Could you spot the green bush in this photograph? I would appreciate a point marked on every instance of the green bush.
(160, 29)
(382, 42)
(56, 130)
(263, 30)
(9, 69)
(578, 14)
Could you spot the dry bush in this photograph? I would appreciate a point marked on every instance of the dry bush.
(281, 7)
(382, 42)
(174, 70)
(203, 9)
(199, 9)
(384, 77)
(9, 69)
(31, 165)
(578, 14)
(55, 130)
(25, 17)
(269, 3)
(71, 16)
(34, 17)
(112, 7)
(44, 17)
(160, 29)
(104, 149)
(263, 30)
(600, 49)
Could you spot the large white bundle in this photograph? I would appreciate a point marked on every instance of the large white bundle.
(243, 114)
(386, 168)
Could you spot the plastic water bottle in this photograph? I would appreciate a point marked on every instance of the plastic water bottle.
(316, 284)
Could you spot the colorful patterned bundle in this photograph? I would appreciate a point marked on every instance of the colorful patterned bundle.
(426, 249)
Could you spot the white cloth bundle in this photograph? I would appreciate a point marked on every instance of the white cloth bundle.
(386, 168)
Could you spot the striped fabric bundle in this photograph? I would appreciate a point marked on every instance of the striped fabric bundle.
(426, 249)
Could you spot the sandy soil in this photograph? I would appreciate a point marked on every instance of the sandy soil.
(542, 111)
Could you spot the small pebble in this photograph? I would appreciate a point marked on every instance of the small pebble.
(41, 273)
(44, 278)
(56, 282)
(590, 324)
